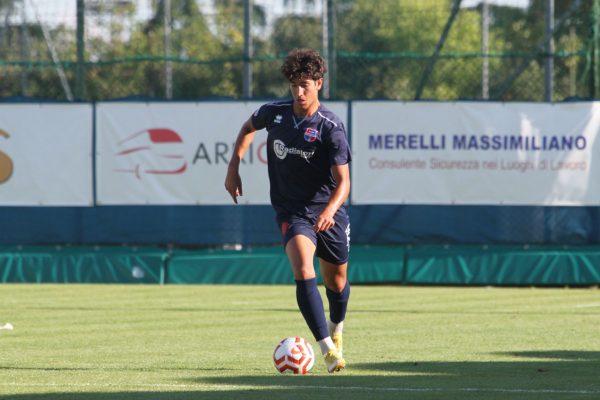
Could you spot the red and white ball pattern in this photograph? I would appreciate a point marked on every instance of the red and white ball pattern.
(294, 355)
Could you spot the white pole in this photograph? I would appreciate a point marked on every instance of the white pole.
(54, 54)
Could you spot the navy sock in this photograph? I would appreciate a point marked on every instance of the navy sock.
(338, 303)
(311, 307)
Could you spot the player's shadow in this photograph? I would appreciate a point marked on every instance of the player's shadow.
(545, 374)
(572, 373)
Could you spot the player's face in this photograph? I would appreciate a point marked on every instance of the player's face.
(306, 95)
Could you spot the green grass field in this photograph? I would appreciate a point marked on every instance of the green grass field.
(95, 342)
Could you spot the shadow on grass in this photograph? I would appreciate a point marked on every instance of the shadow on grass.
(540, 375)
(564, 355)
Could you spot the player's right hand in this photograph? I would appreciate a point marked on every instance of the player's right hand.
(324, 221)
(233, 184)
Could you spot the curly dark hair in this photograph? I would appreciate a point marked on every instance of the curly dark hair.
(302, 64)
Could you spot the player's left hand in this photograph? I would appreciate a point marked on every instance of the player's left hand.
(324, 222)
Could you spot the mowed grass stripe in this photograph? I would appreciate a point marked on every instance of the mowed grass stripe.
(95, 341)
(307, 387)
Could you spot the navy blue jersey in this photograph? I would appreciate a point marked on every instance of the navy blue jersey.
(300, 154)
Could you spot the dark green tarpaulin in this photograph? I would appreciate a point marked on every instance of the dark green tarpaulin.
(261, 265)
(269, 265)
(81, 264)
(421, 265)
(503, 265)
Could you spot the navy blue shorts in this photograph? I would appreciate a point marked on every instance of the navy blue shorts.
(333, 245)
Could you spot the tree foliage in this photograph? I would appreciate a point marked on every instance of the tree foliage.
(382, 50)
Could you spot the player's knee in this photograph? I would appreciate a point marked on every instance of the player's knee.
(304, 272)
(336, 284)
(340, 284)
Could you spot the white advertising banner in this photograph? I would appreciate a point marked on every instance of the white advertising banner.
(476, 153)
(46, 154)
(177, 153)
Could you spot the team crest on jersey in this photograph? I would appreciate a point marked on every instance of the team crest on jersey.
(311, 134)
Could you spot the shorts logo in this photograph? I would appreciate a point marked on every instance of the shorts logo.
(348, 236)
(284, 228)
(311, 134)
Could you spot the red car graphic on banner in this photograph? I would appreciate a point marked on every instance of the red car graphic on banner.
(152, 151)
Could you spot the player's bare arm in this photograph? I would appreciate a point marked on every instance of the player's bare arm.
(341, 174)
(233, 181)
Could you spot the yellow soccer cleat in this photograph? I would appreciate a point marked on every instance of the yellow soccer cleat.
(334, 361)
(337, 340)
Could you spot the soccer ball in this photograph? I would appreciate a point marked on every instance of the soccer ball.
(294, 355)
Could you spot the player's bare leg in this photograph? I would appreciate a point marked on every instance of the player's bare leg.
(300, 251)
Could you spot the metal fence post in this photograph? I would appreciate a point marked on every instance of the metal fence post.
(485, 35)
(79, 72)
(168, 63)
(549, 47)
(594, 56)
(247, 84)
(331, 25)
(325, 45)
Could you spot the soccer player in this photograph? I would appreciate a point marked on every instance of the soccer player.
(308, 162)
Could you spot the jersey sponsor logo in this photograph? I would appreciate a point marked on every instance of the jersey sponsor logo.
(311, 134)
(6, 164)
(157, 151)
(281, 151)
(278, 119)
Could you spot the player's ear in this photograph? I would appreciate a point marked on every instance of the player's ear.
(319, 83)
